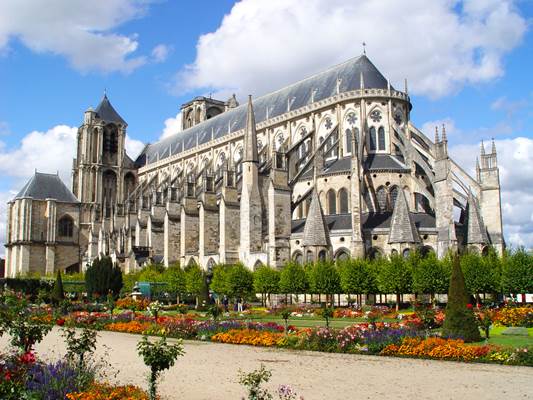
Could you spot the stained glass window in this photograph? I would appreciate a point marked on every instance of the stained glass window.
(381, 139)
(372, 138)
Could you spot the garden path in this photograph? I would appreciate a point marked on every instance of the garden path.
(209, 371)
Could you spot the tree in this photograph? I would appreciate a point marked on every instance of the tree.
(460, 321)
(517, 274)
(58, 294)
(174, 276)
(293, 279)
(102, 276)
(152, 273)
(219, 281)
(324, 278)
(266, 281)
(240, 281)
(194, 281)
(480, 276)
(430, 276)
(357, 277)
(394, 276)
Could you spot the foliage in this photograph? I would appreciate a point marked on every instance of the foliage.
(252, 382)
(129, 303)
(293, 279)
(104, 391)
(394, 276)
(517, 276)
(28, 286)
(219, 281)
(357, 277)
(460, 321)
(266, 280)
(152, 273)
(58, 293)
(194, 280)
(327, 314)
(481, 273)
(102, 276)
(13, 371)
(215, 312)
(79, 347)
(158, 356)
(430, 275)
(174, 276)
(240, 281)
(324, 278)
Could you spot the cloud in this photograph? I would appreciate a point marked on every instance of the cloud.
(4, 128)
(263, 45)
(429, 127)
(133, 147)
(509, 107)
(79, 30)
(160, 53)
(172, 126)
(515, 160)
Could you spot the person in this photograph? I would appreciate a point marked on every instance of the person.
(239, 304)
(225, 302)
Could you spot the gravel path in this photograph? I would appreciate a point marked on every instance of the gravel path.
(209, 371)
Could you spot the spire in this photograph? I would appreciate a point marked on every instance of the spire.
(436, 134)
(316, 232)
(493, 149)
(482, 149)
(444, 138)
(405, 83)
(106, 112)
(250, 135)
(402, 228)
(475, 229)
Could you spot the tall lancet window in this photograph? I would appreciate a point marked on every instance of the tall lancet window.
(343, 201)
(381, 139)
(372, 139)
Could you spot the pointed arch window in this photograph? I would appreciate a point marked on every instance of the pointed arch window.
(381, 139)
(393, 196)
(332, 202)
(65, 226)
(343, 201)
(348, 141)
(373, 139)
(381, 195)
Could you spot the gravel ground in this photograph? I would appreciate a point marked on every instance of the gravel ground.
(209, 371)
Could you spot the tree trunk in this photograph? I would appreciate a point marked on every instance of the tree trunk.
(523, 298)
(398, 297)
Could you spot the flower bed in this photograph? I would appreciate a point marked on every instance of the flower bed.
(128, 327)
(251, 337)
(436, 348)
(100, 391)
(514, 316)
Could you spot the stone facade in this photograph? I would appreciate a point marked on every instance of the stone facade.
(329, 167)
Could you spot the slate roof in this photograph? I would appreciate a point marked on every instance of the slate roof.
(316, 232)
(299, 94)
(106, 112)
(475, 228)
(402, 230)
(369, 220)
(46, 186)
(388, 162)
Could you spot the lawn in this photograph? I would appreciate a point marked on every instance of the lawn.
(496, 337)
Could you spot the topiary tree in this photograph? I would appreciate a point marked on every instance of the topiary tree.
(293, 279)
(460, 321)
(324, 278)
(58, 293)
(266, 282)
(102, 276)
(394, 276)
(517, 274)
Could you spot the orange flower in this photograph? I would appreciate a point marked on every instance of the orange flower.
(250, 337)
(102, 391)
(129, 327)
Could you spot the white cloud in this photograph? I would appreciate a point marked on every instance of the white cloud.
(509, 107)
(429, 127)
(515, 160)
(51, 151)
(439, 45)
(160, 53)
(172, 126)
(4, 128)
(80, 30)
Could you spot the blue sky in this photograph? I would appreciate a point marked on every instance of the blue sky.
(468, 65)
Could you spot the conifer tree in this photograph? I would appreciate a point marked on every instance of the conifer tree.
(460, 321)
(58, 294)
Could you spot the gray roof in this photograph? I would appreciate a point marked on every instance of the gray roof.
(475, 228)
(106, 112)
(402, 229)
(369, 221)
(386, 162)
(299, 94)
(316, 232)
(46, 186)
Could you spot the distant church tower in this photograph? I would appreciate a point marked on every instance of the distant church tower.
(103, 175)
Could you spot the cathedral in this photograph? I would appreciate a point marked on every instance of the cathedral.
(328, 167)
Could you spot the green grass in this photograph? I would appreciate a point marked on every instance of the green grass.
(497, 338)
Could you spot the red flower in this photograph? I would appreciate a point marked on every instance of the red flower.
(7, 375)
(469, 306)
(27, 358)
(60, 321)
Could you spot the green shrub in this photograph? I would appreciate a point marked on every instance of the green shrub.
(58, 293)
(102, 276)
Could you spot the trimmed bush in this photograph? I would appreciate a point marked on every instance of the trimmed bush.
(58, 293)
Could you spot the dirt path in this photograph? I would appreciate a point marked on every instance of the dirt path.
(209, 371)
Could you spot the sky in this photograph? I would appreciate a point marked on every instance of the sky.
(468, 65)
